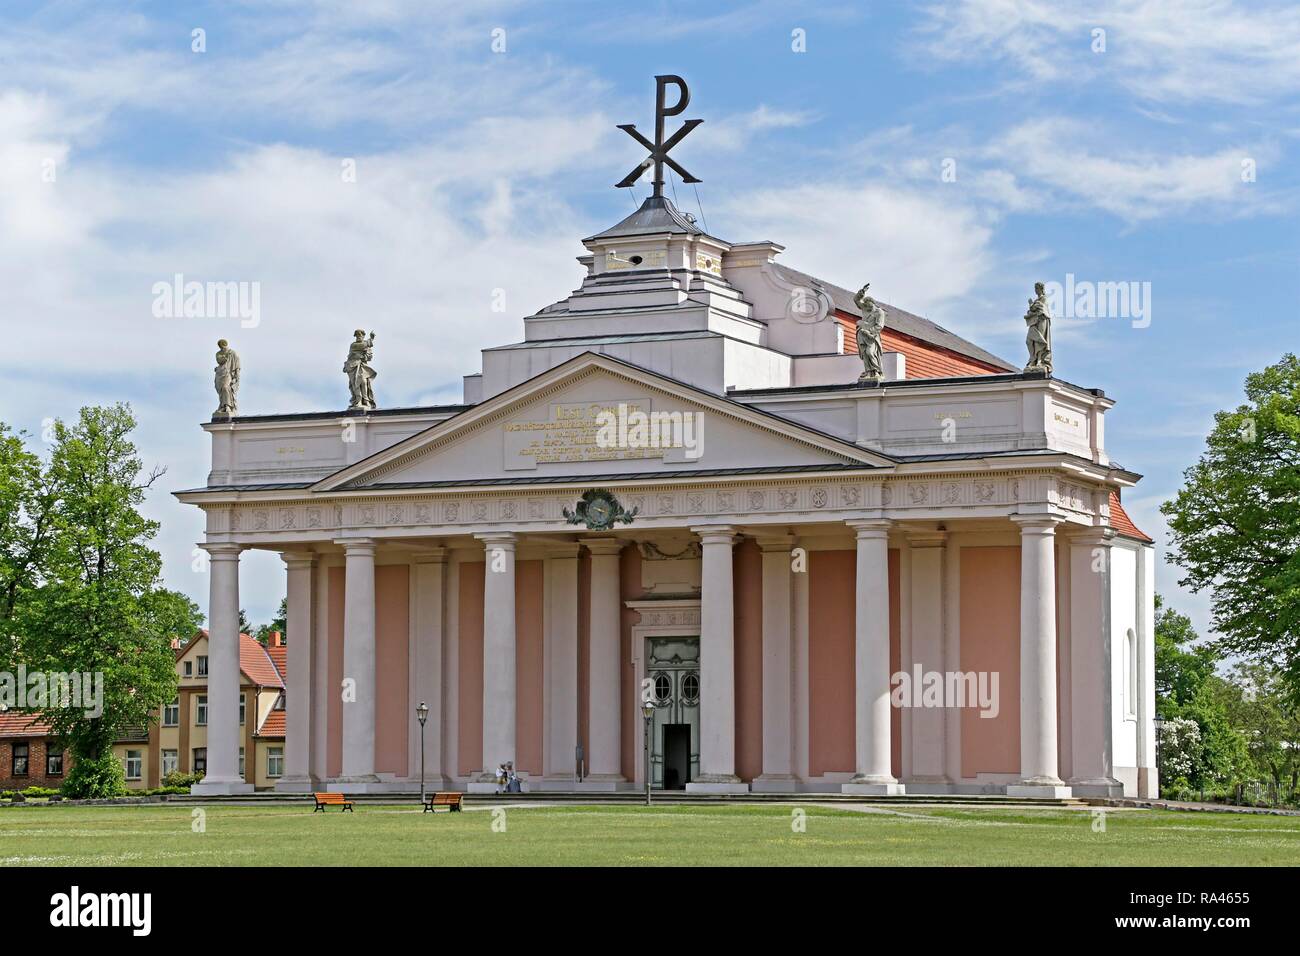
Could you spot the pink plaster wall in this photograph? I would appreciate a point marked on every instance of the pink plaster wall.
(990, 641)
(831, 587)
(584, 649)
(393, 712)
(747, 577)
(334, 675)
(529, 670)
(470, 679)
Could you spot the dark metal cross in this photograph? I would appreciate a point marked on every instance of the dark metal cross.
(659, 157)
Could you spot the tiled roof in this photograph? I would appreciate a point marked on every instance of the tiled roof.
(280, 657)
(18, 723)
(256, 663)
(1122, 523)
(273, 725)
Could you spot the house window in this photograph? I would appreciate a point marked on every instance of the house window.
(134, 765)
(53, 760)
(172, 713)
(203, 665)
(189, 668)
(274, 761)
(241, 761)
(201, 710)
(170, 762)
(241, 709)
(200, 760)
(1130, 677)
(21, 752)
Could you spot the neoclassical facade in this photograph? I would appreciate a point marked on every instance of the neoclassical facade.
(676, 490)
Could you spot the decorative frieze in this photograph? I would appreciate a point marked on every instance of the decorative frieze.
(732, 501)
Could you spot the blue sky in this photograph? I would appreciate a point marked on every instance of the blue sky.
(479, 171)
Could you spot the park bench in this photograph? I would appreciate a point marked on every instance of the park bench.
(449, 800)
(324, 800)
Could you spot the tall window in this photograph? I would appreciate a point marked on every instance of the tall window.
(189, 668)
(172, 713)
(241, 708)
(274, 761)
(170, 762)
(134, 764)
(1130, 676)
(201, 710)
(200, 760)
(53, 760)
(241, 761)
(21, 752)
(203, 665)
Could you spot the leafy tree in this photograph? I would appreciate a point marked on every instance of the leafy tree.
(100, 607)
(278, 623)
(1235, 524)
(1182, 665)
(1270, 722)
(25, 506)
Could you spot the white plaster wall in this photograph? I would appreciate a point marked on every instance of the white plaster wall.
(1123, 606)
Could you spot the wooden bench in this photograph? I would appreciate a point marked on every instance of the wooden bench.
(324, 800)
(449, 800)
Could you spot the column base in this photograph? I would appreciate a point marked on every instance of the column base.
(874, 789)
(208, 787)
(717, 783)
(1039, 791)
(361, 783)
(299, 783)
(1096, 787)
(775, 783)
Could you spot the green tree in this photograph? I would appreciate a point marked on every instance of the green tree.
(100, 607)
(1270, 722)
(25, 506)
(278, 623)
(1235, 523)
(1182, 665)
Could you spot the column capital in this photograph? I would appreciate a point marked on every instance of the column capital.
(602, 545)
(563, 549)
(926, 538)
(504, 540)
(871, 527)
(299, 560)
(1037, 524)
(429, 556)
(1092, 537)
(715, 533)
(775, 542)
(221, 550)
(357, 545)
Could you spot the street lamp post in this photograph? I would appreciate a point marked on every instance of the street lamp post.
(648, 709)
(422, 714)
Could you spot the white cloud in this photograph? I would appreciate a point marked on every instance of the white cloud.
(1160, 50)
(914, 248)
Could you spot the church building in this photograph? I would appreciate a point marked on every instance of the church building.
(713, 520)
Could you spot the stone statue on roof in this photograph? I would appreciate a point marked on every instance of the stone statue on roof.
(360, 375)
(1039, 337)
(226, 380)
(870, 325)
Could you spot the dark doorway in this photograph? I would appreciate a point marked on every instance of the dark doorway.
(677, 756)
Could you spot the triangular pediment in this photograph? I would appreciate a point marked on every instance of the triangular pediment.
(599, 416)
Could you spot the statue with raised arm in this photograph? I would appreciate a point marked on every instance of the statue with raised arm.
(1039, 336)
(357, 367)
(226, 380)
(870, 325)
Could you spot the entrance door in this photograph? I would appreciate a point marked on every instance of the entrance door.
(673, 665)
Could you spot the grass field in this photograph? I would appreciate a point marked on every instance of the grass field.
(621, 835)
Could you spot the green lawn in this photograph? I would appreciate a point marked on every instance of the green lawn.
(621, 835)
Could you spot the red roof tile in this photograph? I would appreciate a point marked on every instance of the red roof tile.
(279, 656)
(924, 359)
(1122, 523)
(273, 726)
(256, 663)
(18, 723)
